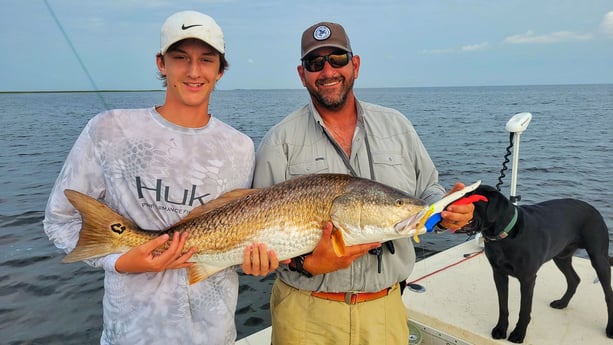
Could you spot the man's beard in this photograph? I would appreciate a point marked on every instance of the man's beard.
(332, 103)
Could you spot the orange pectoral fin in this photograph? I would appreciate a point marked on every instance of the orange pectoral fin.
(338, 243)
(201, 271)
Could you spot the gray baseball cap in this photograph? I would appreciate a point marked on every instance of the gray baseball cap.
(324, 34)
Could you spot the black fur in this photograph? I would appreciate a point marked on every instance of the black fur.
(553, 229)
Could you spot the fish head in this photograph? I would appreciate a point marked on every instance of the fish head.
(368, 211)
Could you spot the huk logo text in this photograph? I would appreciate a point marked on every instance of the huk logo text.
(162, 193)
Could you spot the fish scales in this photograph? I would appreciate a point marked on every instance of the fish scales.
(287, 217)
(292, 222)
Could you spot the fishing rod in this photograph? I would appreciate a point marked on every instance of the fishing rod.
(76, 54)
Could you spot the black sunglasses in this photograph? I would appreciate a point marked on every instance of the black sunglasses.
(316, 63)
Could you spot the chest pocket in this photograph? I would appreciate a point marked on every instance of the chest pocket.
(395, 170)
(390, 159)
(317, 166)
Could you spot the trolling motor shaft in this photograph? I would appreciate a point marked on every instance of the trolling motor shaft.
(517, 125)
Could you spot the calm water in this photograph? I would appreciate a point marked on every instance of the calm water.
(565, 152)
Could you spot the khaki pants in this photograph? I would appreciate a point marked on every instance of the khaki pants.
(299, 318)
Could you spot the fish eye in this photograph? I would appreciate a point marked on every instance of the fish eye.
(399, 202)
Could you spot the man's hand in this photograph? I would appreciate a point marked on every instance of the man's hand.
(457, 216)
(258, 261)
(324, 258)
(148, 258)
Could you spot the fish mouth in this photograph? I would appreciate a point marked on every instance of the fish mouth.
(411, 223)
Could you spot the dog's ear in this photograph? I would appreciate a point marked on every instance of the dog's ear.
(489, 211)
(498, 207)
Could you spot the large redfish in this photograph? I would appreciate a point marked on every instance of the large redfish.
(287, 217)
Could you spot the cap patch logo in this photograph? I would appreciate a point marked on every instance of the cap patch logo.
(321, 33)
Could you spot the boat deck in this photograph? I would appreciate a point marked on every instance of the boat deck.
(459, 305)
(460, 300)
(258, 338)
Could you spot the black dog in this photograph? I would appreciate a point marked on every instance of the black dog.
(520, 239)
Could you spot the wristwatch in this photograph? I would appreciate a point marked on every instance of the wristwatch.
(297, 265)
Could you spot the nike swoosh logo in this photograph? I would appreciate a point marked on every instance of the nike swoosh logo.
(185, 27)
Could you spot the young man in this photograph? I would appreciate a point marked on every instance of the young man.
(355, 299)
(154, 165)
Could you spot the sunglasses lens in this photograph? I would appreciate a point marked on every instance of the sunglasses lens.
(316, 64)
(338, 60)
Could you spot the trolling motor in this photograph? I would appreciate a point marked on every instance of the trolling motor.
(516, 126)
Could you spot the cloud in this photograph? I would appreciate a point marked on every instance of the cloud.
(607, 24)
(466, 48)
(474, 47)
(606, 27)
(554, 37)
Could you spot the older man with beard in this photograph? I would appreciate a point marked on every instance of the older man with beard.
(321, 298)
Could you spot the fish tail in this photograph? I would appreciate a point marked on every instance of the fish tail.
(101, 228)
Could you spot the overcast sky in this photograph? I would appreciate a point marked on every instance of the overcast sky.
(402, 43)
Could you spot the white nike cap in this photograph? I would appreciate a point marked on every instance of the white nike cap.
(191, 24)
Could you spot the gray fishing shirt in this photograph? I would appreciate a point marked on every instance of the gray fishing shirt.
(154, 172)
(385, 141)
